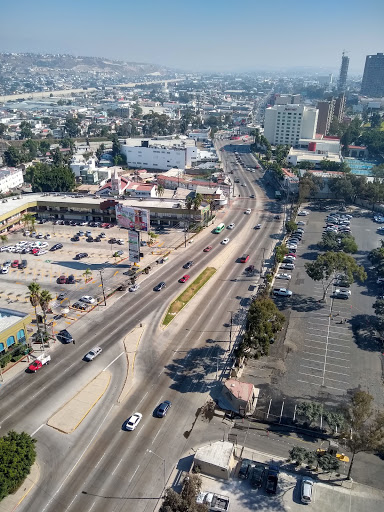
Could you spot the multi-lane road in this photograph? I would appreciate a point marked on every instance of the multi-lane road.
(100, 466)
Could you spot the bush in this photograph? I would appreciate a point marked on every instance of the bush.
(17, 455)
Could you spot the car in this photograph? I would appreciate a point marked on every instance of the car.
(71, 279)
(65, 336)
(4, 270)
(282, 292)
(102, 235)
(75, 238)
(88, 233)
(88, 299)
(93, 353)
(163, 409)
(81, 233)
(134, 288)
(81, 255)
(56, 247)
(225, 241)
(291, 247)
(245, 468)
(15, 264)
(40, 235)
(342, 293)
(300, 223)
(40, 252)
(306, 490)
(251, 268)
(27, 233)
(252, 196)
(248, 211)
(119, 253)
(90, 239)
(379, 280)
(188, 264)
(277, 217)
(133, 421)
(62, 280)
(244, 258)
(7, 263)
(290, 259)
(23, 264)
(61, 296)
(160, 286)
(80, 305)
(284, 276)
(287, 266)
(47, 236)
(120, 241)
(184, 278)
(258, 226)
(208, 248)
(231, 225)
(33, 234)
(303, 213)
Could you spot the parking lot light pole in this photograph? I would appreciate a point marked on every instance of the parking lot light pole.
(158, 456)
(102, 285)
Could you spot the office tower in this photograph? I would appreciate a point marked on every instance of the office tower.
(325, 116)
(373, 78)
(339, 108)
(287, 124)
(342, 83)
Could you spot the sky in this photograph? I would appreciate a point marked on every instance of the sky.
(197, 35)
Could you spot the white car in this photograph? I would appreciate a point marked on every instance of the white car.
(88, 299)
(225, 241)
(134, 287)
(133, 421)
(120, 241)
(300, 223)
(291, 246)
(342, 293)
(303, 213)
(231, 226)
(93, 353)
(248, 211)
(5, 270)
(41, 252)
(283, 276)
(380, 280)
(282, 292)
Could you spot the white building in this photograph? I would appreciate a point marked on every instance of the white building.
(314, 151)
(199, 135)
(160, 154)
(10, 178)
(78, 163)
(287, 124)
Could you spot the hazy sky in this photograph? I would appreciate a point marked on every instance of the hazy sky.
(217, 35)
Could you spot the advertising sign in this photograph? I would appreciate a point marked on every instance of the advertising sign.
(134, 248)
(132, 218)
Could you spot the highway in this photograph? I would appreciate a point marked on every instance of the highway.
(100, 466)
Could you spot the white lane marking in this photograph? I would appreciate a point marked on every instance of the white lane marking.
(79, 459)
(161, 372)
(71, 502)
(130, 480)
(113, 472)
(101, 458)
(69, 367)
(142, 399)
(116, 358)
(154, 439)
(93, 504)
(35, 432)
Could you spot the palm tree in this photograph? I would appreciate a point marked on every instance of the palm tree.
(197, 201)
(87, 274)
(34, 298)
(3, 239)
(152, 237)
(189, 203)
(26, 219)
(45, 298)
(160, 190)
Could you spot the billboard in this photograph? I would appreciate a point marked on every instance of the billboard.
(134, 247)
(131, 217)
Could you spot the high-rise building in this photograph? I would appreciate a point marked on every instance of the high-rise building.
(342, 83)
(373, 78)
(287, 124)
(287, 99)
(326, 111)
(338, 112)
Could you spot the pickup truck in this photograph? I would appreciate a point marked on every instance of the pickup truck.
(257, 475)
(39, 362)
(272, 479)
(282, 292)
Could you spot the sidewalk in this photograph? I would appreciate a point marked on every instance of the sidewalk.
(11, 502)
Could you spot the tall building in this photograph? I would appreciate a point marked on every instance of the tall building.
(373, 78)
(287, 99)
(287, 124)
(338, 112)
(326, 111)
(342, 83)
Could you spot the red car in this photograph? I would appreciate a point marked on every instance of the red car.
(244, 258)
(62, 280)
(15, 264)
(208, 248)
(184, 278)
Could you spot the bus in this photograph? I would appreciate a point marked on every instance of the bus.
(219, 228)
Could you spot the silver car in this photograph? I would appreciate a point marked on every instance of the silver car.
(93, 353)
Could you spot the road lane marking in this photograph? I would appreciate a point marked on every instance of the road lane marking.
(116, 358)
(101, 458)
(136, 470)
(113, 472)
(142, 399)
(71, 502)
(35, 432)
(69, 367)
(154, 439)
(93, 504)
(79, 459)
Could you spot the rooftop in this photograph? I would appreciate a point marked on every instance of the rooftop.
(218, 454)
(10, 317)
(241, 390)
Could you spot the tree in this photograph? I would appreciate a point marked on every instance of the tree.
(310, 410)
(28, 219)
(3, 239)
(334, 241)
(32, 147)
(3, 129)
(13, 157)
(47, 178)
(364, 430)
(280, 252)
(44, 146)
(290, 226)
(186, 501)
(348, 187)
(152, 237)
(308, 186)
(188, 203)
(34, 298)
(298, 455)
(198, 199)
(324, 267)
(99, 151)
(25, 130)
(378, 306)
(72, 127)
(17, 456)
(120, 160)
(45, 298)
(378, 171)
(87, 274)
(136, 110)
(375, 120)
(160, 190)
(325, 461)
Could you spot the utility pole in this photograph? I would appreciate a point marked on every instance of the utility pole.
(262, 261)
(102, 285)
(230, 332)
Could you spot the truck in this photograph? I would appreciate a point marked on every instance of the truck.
(282, 292)
(272, 478)
(257, 475)
(39, 362)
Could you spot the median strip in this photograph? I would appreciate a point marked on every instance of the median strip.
(183, 299)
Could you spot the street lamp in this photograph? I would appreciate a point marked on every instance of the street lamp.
(158, 456)
(102, 285)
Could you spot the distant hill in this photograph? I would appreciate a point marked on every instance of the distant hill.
(38, 63)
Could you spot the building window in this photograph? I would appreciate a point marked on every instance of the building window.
(10, 341)
(21, 336)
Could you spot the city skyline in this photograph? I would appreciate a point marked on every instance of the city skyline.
(201, 37)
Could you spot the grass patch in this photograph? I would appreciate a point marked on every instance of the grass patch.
(183, 299)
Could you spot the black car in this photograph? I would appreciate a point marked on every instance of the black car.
(163, 409)
(56, 247)
(160, 286)
(61, 296)
(23, 264)
(188, 264)
(90, 239)
(76, 238)
(65, 336)
(97, 239)
(81, 255)
(246, 466)
(71, 279)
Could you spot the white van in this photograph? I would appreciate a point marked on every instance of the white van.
(307, 485)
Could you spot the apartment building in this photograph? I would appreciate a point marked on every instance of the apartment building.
(373, 78)
(287, 124)
(10, 178)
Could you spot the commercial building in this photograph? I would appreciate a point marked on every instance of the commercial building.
(239, 397)
(314, 151)
(373, 78)
(160, 154)
(326, 111)
(216, 459)
(287, 124)
(342, 82)
(10, 178)
(13, 328)
(339, 109)
(200, 135)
